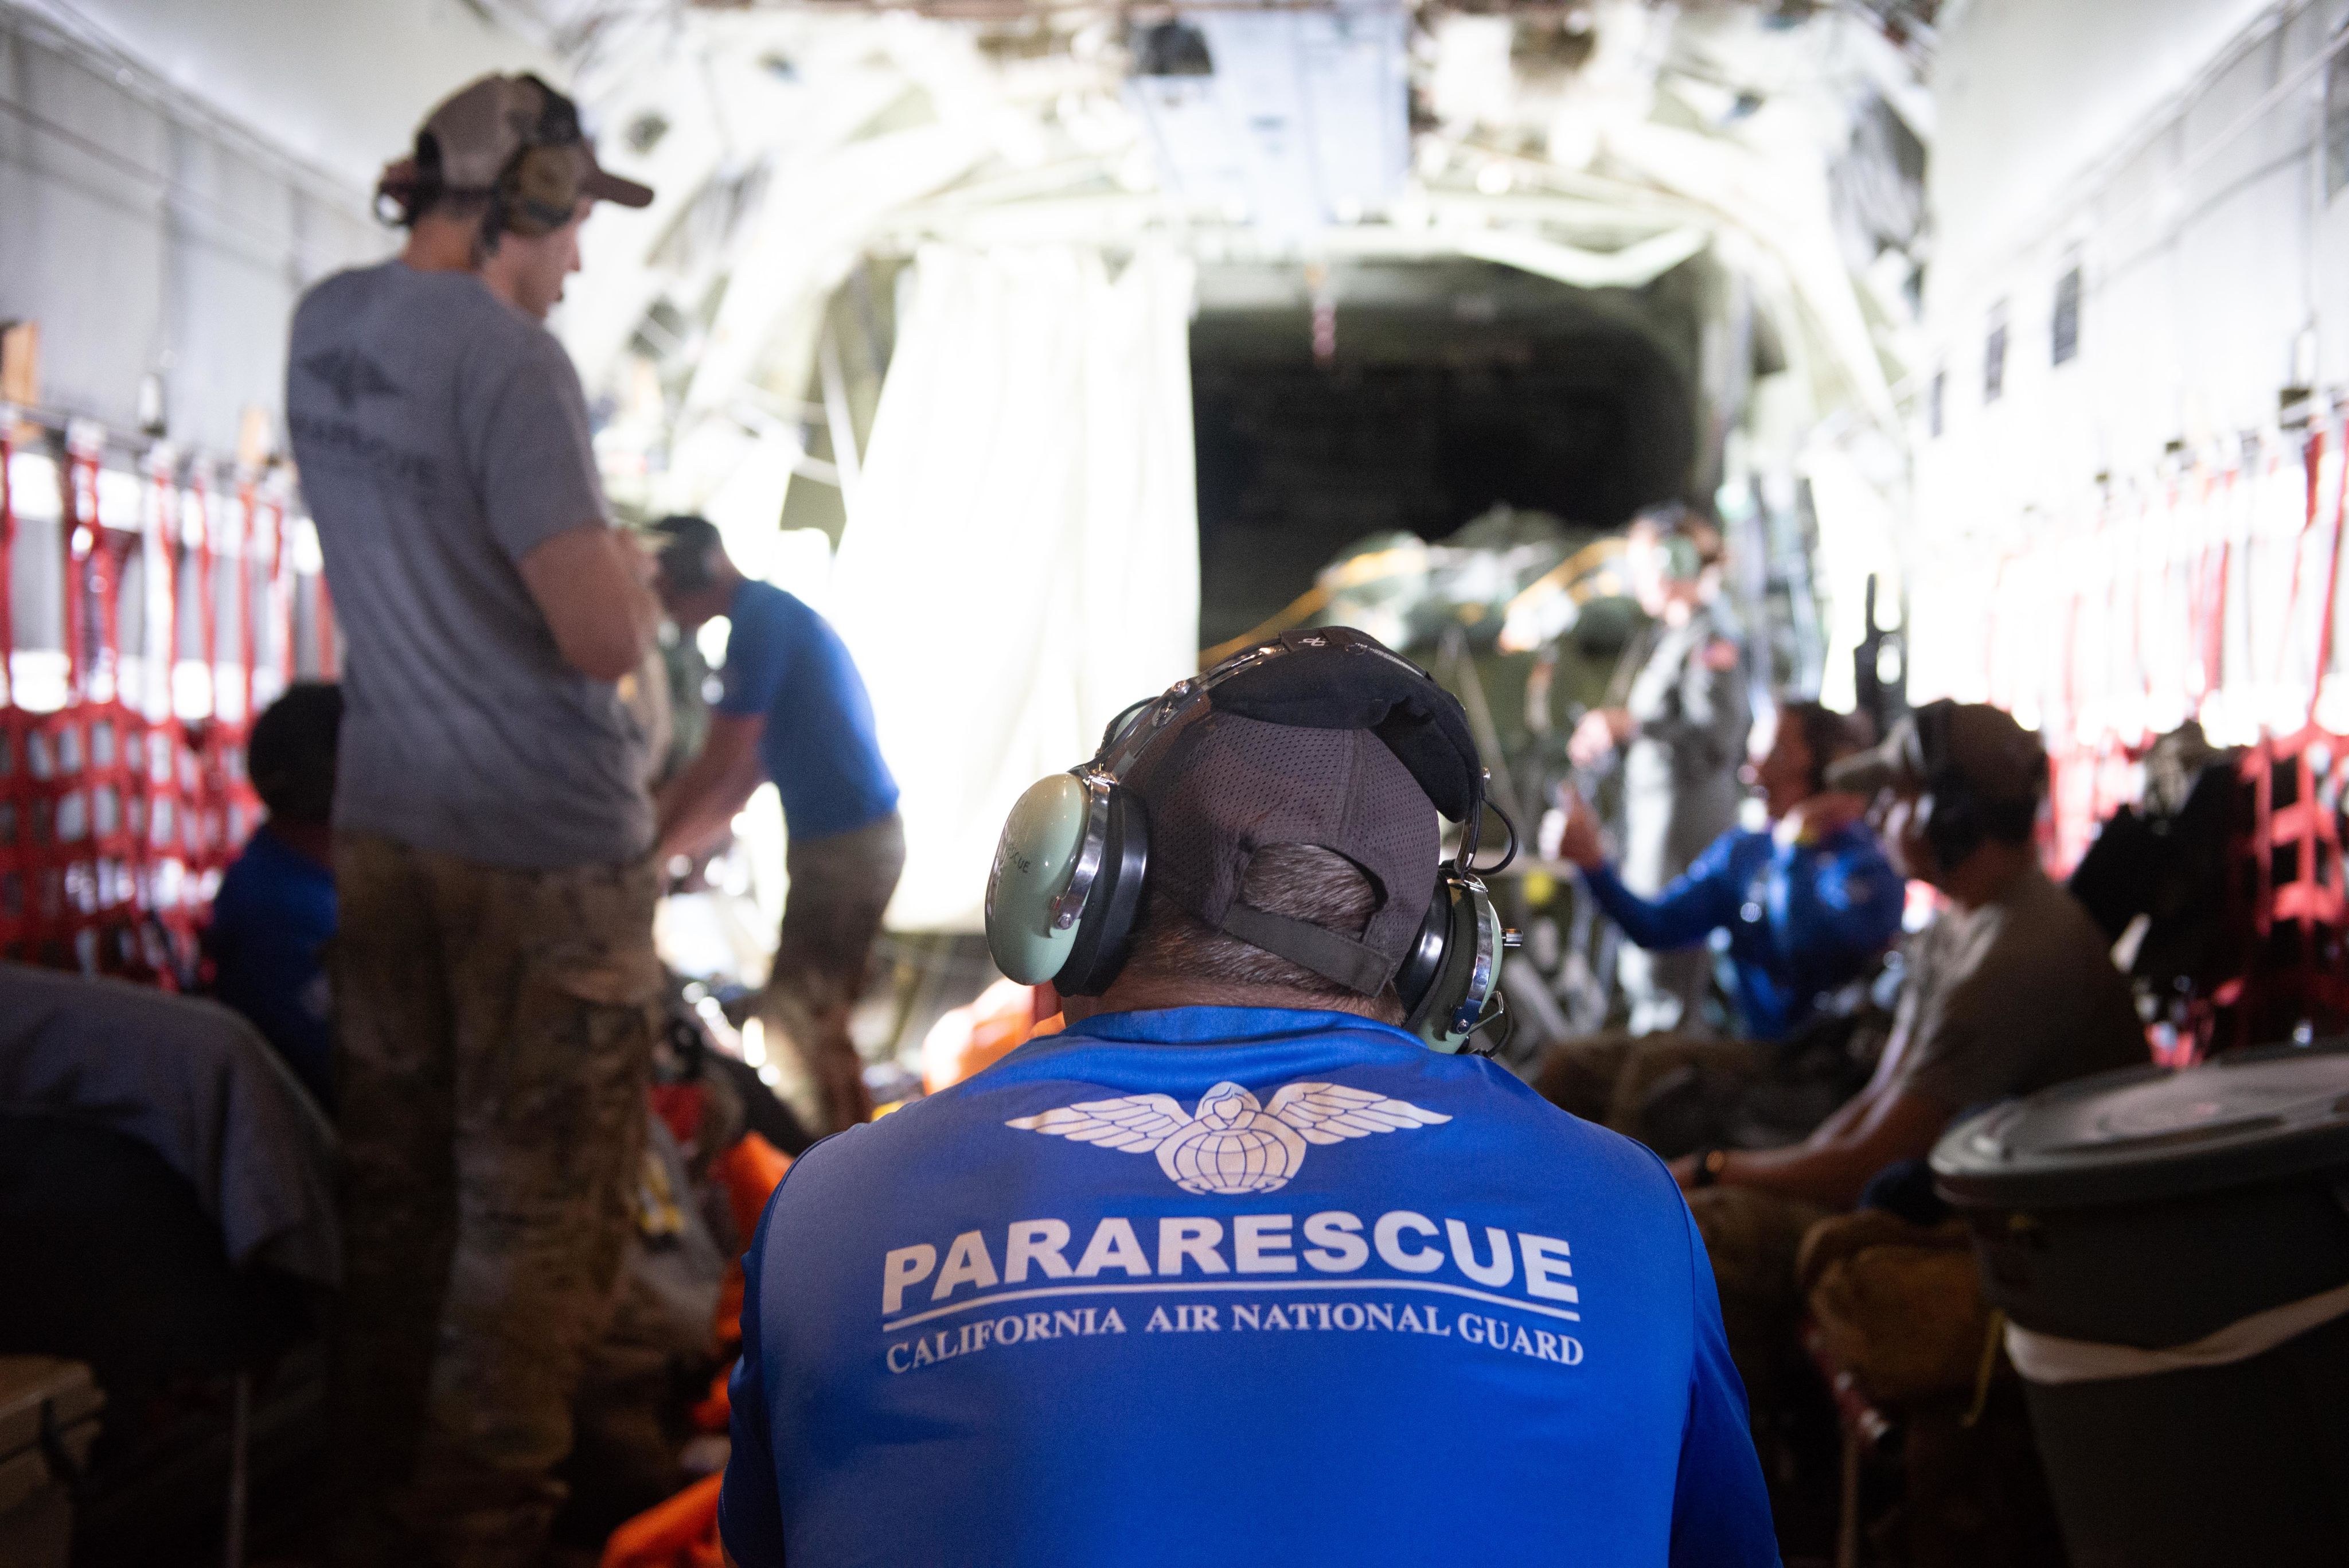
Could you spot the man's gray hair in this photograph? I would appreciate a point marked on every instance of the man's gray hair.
(1302, 881)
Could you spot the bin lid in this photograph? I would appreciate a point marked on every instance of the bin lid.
(2145, 1132)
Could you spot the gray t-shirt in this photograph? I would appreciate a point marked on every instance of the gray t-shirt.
(441, 435)
(2011, 998)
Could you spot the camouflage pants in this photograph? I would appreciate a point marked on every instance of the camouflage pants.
(1606, 1078)
(1753, 1239)
(839, 888)
(493, 1032)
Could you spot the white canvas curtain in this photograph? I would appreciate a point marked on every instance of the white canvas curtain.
(1022, 561)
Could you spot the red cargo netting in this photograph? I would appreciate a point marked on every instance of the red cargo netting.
(2208, 590)
(122, 727)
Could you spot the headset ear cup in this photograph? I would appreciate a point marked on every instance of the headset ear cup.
(1467, 971)
(1105, 925)
(1416, 979)
(1035, 858)
(540, 190)
(1953, 825)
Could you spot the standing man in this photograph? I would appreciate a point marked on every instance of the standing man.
(494, 981)
(1682, 730)
(794, 710)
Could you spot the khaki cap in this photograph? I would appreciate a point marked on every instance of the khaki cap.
(1999, 760)
(484, 125)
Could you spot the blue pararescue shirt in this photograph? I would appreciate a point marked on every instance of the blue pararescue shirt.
(1803, 918)
(272, 919)
(1236, 1286)
(784, 661)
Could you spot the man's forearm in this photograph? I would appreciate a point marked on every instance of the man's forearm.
(1876, 1128)
(699, 806)
(589, 583)
(645, 615)
(1845, 1117)
(1832, 1173)
(1674, 920)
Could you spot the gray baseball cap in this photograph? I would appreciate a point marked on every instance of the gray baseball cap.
(2001, 761)
(484, 125)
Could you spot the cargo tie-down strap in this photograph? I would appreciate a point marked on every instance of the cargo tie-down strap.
(2210, 590)
(115, 816)
(2047, 1358)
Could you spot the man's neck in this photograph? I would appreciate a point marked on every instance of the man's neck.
(312, 841)
(715, 600)
(439, 245)
(445, 245)
(1987, 875)
(1134, 992)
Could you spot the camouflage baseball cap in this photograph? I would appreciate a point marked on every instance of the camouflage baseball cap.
(1999, 760)
(482, 127)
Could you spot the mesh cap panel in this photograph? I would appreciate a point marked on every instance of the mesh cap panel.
(1222, 786)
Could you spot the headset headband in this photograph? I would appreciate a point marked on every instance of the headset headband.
(1366, 686)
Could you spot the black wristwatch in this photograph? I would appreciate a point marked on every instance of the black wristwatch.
(1709, 1164)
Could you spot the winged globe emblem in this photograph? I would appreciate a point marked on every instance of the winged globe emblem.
(350, 375)
(1233, 1143)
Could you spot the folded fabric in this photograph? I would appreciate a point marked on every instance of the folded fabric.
(196, 1084)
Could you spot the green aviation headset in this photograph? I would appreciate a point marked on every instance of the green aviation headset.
(1072, 863)
(535, 194)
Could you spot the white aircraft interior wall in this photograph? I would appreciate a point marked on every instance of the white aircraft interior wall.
(174, 176)
(2207, 238)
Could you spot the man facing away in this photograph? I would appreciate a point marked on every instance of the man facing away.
(1235, 1269)
(494, 978)
(792, 710)
(1680, 727)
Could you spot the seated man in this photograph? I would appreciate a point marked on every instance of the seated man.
(794, 711)
(1234, 1269)
(275, 912)
(2009, 990)
(1808, 903)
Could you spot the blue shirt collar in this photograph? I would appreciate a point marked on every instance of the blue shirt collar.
(1224, 1026)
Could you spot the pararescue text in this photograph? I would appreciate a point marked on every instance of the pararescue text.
(980, 1266)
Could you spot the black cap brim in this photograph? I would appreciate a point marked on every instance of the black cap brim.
(603, 185)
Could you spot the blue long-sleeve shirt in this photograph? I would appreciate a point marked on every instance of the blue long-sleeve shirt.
(1802, 918)
(272, 920)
